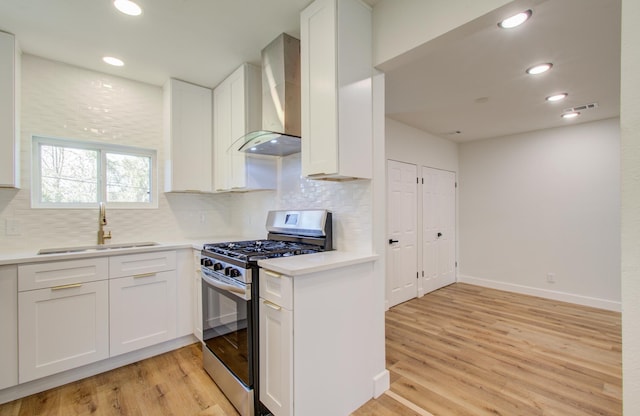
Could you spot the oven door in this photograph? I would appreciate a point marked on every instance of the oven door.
(228, 324)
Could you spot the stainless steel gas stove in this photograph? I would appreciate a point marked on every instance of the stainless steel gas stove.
(230, 298)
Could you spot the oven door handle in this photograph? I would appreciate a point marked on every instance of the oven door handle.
(238, 291)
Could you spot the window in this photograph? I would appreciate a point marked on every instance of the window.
(77, 174)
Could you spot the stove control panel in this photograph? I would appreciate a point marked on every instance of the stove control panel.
(226, 269)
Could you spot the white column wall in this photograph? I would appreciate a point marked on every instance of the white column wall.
(630, 132)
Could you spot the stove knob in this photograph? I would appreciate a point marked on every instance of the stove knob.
(217, 266)
(206, 262)
(234, 273)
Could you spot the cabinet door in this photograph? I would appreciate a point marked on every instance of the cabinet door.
(8, 326)
(222, 135)
(143, 311)
(236, 105)
(62, 328)
(9, 137)
(238, 128)
(319, 88)
(189, 164)
(276, 359)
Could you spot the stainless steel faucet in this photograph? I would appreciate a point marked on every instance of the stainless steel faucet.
(102, 221)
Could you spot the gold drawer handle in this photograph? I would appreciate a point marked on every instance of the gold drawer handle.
(138, 276)
(272, 274)
(271, 305)
(71, 286)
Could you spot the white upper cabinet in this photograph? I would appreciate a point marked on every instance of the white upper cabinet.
(336, 65)
(9, 112)
(188, 139)
(236, 112)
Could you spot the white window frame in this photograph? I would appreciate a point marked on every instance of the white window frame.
(102, 149)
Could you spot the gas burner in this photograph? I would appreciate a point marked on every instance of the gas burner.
(254, 250)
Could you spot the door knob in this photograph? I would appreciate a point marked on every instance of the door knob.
(391, 241)
(439, 235)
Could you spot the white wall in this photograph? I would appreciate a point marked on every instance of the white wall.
(59, 100)
(630, 132)
(544, 202)
(407, 144)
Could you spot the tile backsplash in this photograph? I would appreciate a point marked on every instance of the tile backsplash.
(64, 101)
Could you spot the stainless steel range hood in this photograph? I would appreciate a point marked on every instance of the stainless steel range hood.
(280, 134)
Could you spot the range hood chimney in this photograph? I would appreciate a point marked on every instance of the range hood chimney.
(280, 134)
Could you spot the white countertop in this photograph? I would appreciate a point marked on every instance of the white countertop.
(32, 256)
(311, 263)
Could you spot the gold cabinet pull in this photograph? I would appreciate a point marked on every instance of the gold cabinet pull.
(271, 305)
(272, 274)
(70, 286)
(138, 276)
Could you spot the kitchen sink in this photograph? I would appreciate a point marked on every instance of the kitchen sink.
(81, 249)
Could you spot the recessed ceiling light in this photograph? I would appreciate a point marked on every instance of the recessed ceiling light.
(539, 69)
(274, 141)
(128, 7)
(572, 114)
(557, 97)
(515, 20)
(113, 61)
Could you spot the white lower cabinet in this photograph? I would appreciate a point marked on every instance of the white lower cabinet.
(143, 305)
(276, 363)
(66, 314)
(197, 296)
(316, 338)
(276, 343)
(8, 326)
(62, 327)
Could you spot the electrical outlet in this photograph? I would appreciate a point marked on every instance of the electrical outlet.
(12, 226)
(551, 277)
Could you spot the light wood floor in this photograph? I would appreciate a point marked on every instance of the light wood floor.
(466, 350)
(169, 384)
(462, 350)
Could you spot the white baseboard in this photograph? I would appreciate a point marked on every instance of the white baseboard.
(543, 293)
(55, 380)
(381, 383)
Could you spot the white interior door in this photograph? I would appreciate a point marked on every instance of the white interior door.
(438, 233)
(402, 255)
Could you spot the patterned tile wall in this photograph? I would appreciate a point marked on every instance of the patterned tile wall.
(63, 101)
(350, 203)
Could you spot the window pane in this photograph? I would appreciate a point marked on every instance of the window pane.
(68, 175)
(128, 178)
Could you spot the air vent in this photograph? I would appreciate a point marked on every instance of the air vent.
(580, 108)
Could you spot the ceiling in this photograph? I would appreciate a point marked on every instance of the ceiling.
(473, 81)
(470, 80)
(199, 41)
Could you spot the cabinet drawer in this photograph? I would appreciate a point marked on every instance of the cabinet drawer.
(61, 273)
(143, 263)
(276, 288)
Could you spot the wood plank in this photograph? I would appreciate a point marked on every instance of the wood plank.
(169, 384)
(468, 350)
